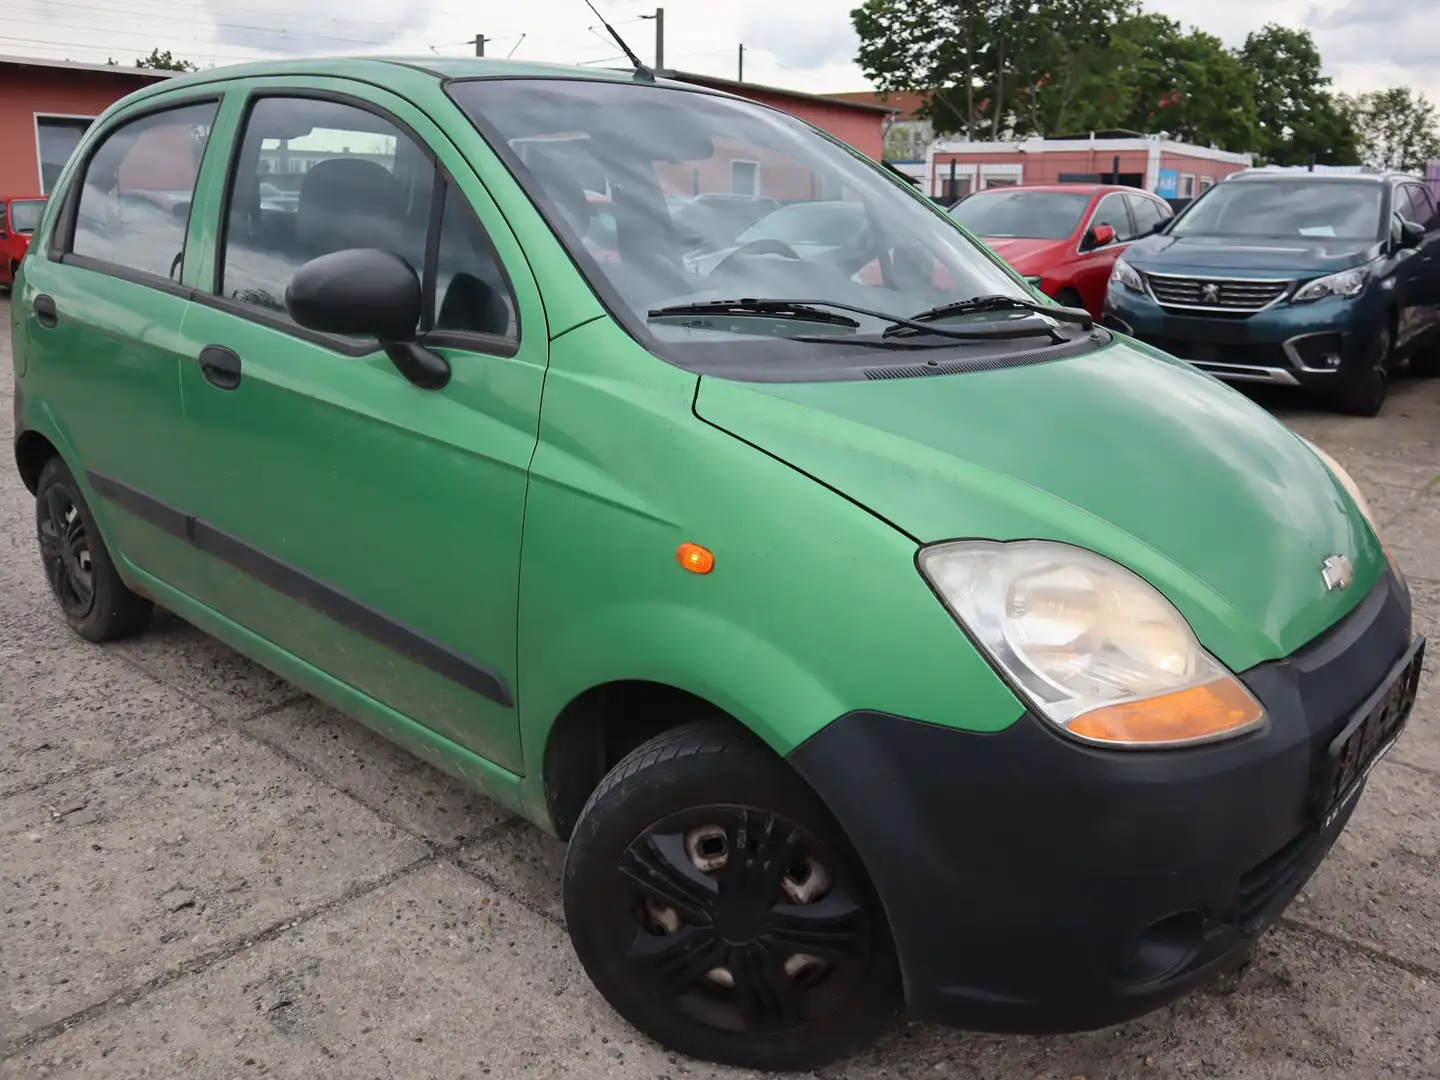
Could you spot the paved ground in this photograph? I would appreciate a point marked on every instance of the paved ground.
(204, 873)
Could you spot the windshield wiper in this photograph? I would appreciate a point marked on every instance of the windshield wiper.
(810, 311)
(800, 310)
(1000, 302)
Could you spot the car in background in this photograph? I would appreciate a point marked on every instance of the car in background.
(18, 220)
(1323, 281)
(713, 217)
(799, 230)
(1064, 238)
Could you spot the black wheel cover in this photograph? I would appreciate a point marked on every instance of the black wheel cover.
(65, 550)
(741, 920)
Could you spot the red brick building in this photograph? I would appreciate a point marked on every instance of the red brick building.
(46, 106)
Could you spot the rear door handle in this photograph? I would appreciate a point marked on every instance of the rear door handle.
(46, 314)
(220, 366)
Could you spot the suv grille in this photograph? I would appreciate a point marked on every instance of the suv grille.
(1214, 293)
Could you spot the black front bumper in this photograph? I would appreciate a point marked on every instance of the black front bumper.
(1036, 884)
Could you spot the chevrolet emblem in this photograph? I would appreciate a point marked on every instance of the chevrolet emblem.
(1337, 572)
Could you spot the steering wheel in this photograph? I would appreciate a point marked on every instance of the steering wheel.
(757, 247)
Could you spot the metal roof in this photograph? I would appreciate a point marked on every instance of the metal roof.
(74, 65)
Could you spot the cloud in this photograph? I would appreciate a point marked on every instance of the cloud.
(320, 26)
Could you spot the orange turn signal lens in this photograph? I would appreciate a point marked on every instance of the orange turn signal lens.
(696, 559)
(1221, 707)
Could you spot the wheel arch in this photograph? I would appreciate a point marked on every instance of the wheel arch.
(32, 451)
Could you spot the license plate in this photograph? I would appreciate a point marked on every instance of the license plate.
(1369, 734)
(1212, 331)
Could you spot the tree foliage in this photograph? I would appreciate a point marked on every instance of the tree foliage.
(999, 68)
(164, 61)
(1398, 128)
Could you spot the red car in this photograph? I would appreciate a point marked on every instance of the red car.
(18, 220)
(1064, 238)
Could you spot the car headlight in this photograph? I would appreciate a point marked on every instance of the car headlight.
(1345, 284)
(1353, 490)
(1094, 648)
(1126, 275)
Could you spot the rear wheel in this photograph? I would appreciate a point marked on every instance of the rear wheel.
(1426, 362)
(83, 579)
(1069, 298)
(1363, 385)
(718, 907)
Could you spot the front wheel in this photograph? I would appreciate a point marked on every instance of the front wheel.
(1364, 384)
(718, 907)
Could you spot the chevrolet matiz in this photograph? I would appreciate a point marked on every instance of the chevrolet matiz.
(879, 634)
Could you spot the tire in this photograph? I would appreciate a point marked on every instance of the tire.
(82, 576)
(1426, 363)
(663, 918)
(1070, 298)
(1362, 389)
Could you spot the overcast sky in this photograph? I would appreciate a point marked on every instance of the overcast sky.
(802, 44)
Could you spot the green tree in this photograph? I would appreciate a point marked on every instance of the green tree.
(164, 61)
(1298, 115)
(1398, 128)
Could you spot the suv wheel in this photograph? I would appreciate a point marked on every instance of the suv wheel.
(719, 908)
(1426, 362)
(86, 585)
(1363, 386)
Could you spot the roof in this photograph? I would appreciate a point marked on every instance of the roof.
(108, 69)
(1079, 188)
(1253, 175)
(1036, 144)
(907, 103)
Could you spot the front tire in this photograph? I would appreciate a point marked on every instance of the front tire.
(718, 907)
(82, 576)
(1362, 389)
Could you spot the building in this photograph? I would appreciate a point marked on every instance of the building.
(46, 106)
(859, 123)
(1170, 169)
(908, 135)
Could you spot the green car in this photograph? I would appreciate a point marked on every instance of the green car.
(877, 633)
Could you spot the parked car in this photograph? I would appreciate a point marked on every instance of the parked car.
(809, 229)
(1063, 238)
(18, 220)
(716, 218)
(1324, 281)
(874, 640)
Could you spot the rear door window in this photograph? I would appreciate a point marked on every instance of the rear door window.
(134, 203)
(1112, 212)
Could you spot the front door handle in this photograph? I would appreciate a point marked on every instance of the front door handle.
(46, 314)
(220, 366)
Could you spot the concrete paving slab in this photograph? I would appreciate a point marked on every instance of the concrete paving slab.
(204, 669)
(528, 862)
(150, 864)
(433, 976)
(1379, 885)
(397, 785)
(66, 704)
(1414, 537)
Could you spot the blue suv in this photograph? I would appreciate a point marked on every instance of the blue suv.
(1324, 281)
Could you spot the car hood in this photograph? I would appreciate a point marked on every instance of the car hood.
(1122, 451)
(1022, 252)
(1255, 257)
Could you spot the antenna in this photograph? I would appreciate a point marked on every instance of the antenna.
(641, 71)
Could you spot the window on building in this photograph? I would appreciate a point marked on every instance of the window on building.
(57, 137)
(135, 196)
(472, 294)
(1206, 183)
(366, 185)
(744, 178)
(1187, 185)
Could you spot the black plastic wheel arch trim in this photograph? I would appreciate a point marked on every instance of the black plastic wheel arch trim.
(308, 590)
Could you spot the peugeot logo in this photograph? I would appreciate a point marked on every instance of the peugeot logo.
(1337, 572)
(1210, 293)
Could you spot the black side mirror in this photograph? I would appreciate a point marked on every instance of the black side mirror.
(365, 292)
(1160, 226)
(1411, 235)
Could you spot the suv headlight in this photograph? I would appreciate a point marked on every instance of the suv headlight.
(1345, 284)
(1353, 490)
(1126, 275)
(1094, 648)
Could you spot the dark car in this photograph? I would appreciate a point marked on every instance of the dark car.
(18, 221)
(1064, 238)
(1321, 281)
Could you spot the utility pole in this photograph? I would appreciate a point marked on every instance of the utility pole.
(659, 18)
(741, 76)
(479, 44)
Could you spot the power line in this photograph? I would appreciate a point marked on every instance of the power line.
(168, 10)
(150, 35)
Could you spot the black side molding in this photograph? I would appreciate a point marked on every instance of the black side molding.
(311, 591)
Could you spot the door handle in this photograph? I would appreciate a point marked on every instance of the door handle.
(220, 366)
(46, 314)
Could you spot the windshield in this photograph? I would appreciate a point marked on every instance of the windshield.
(1021, 214)
(1286, 209)
(651, 188)
(25, 214)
